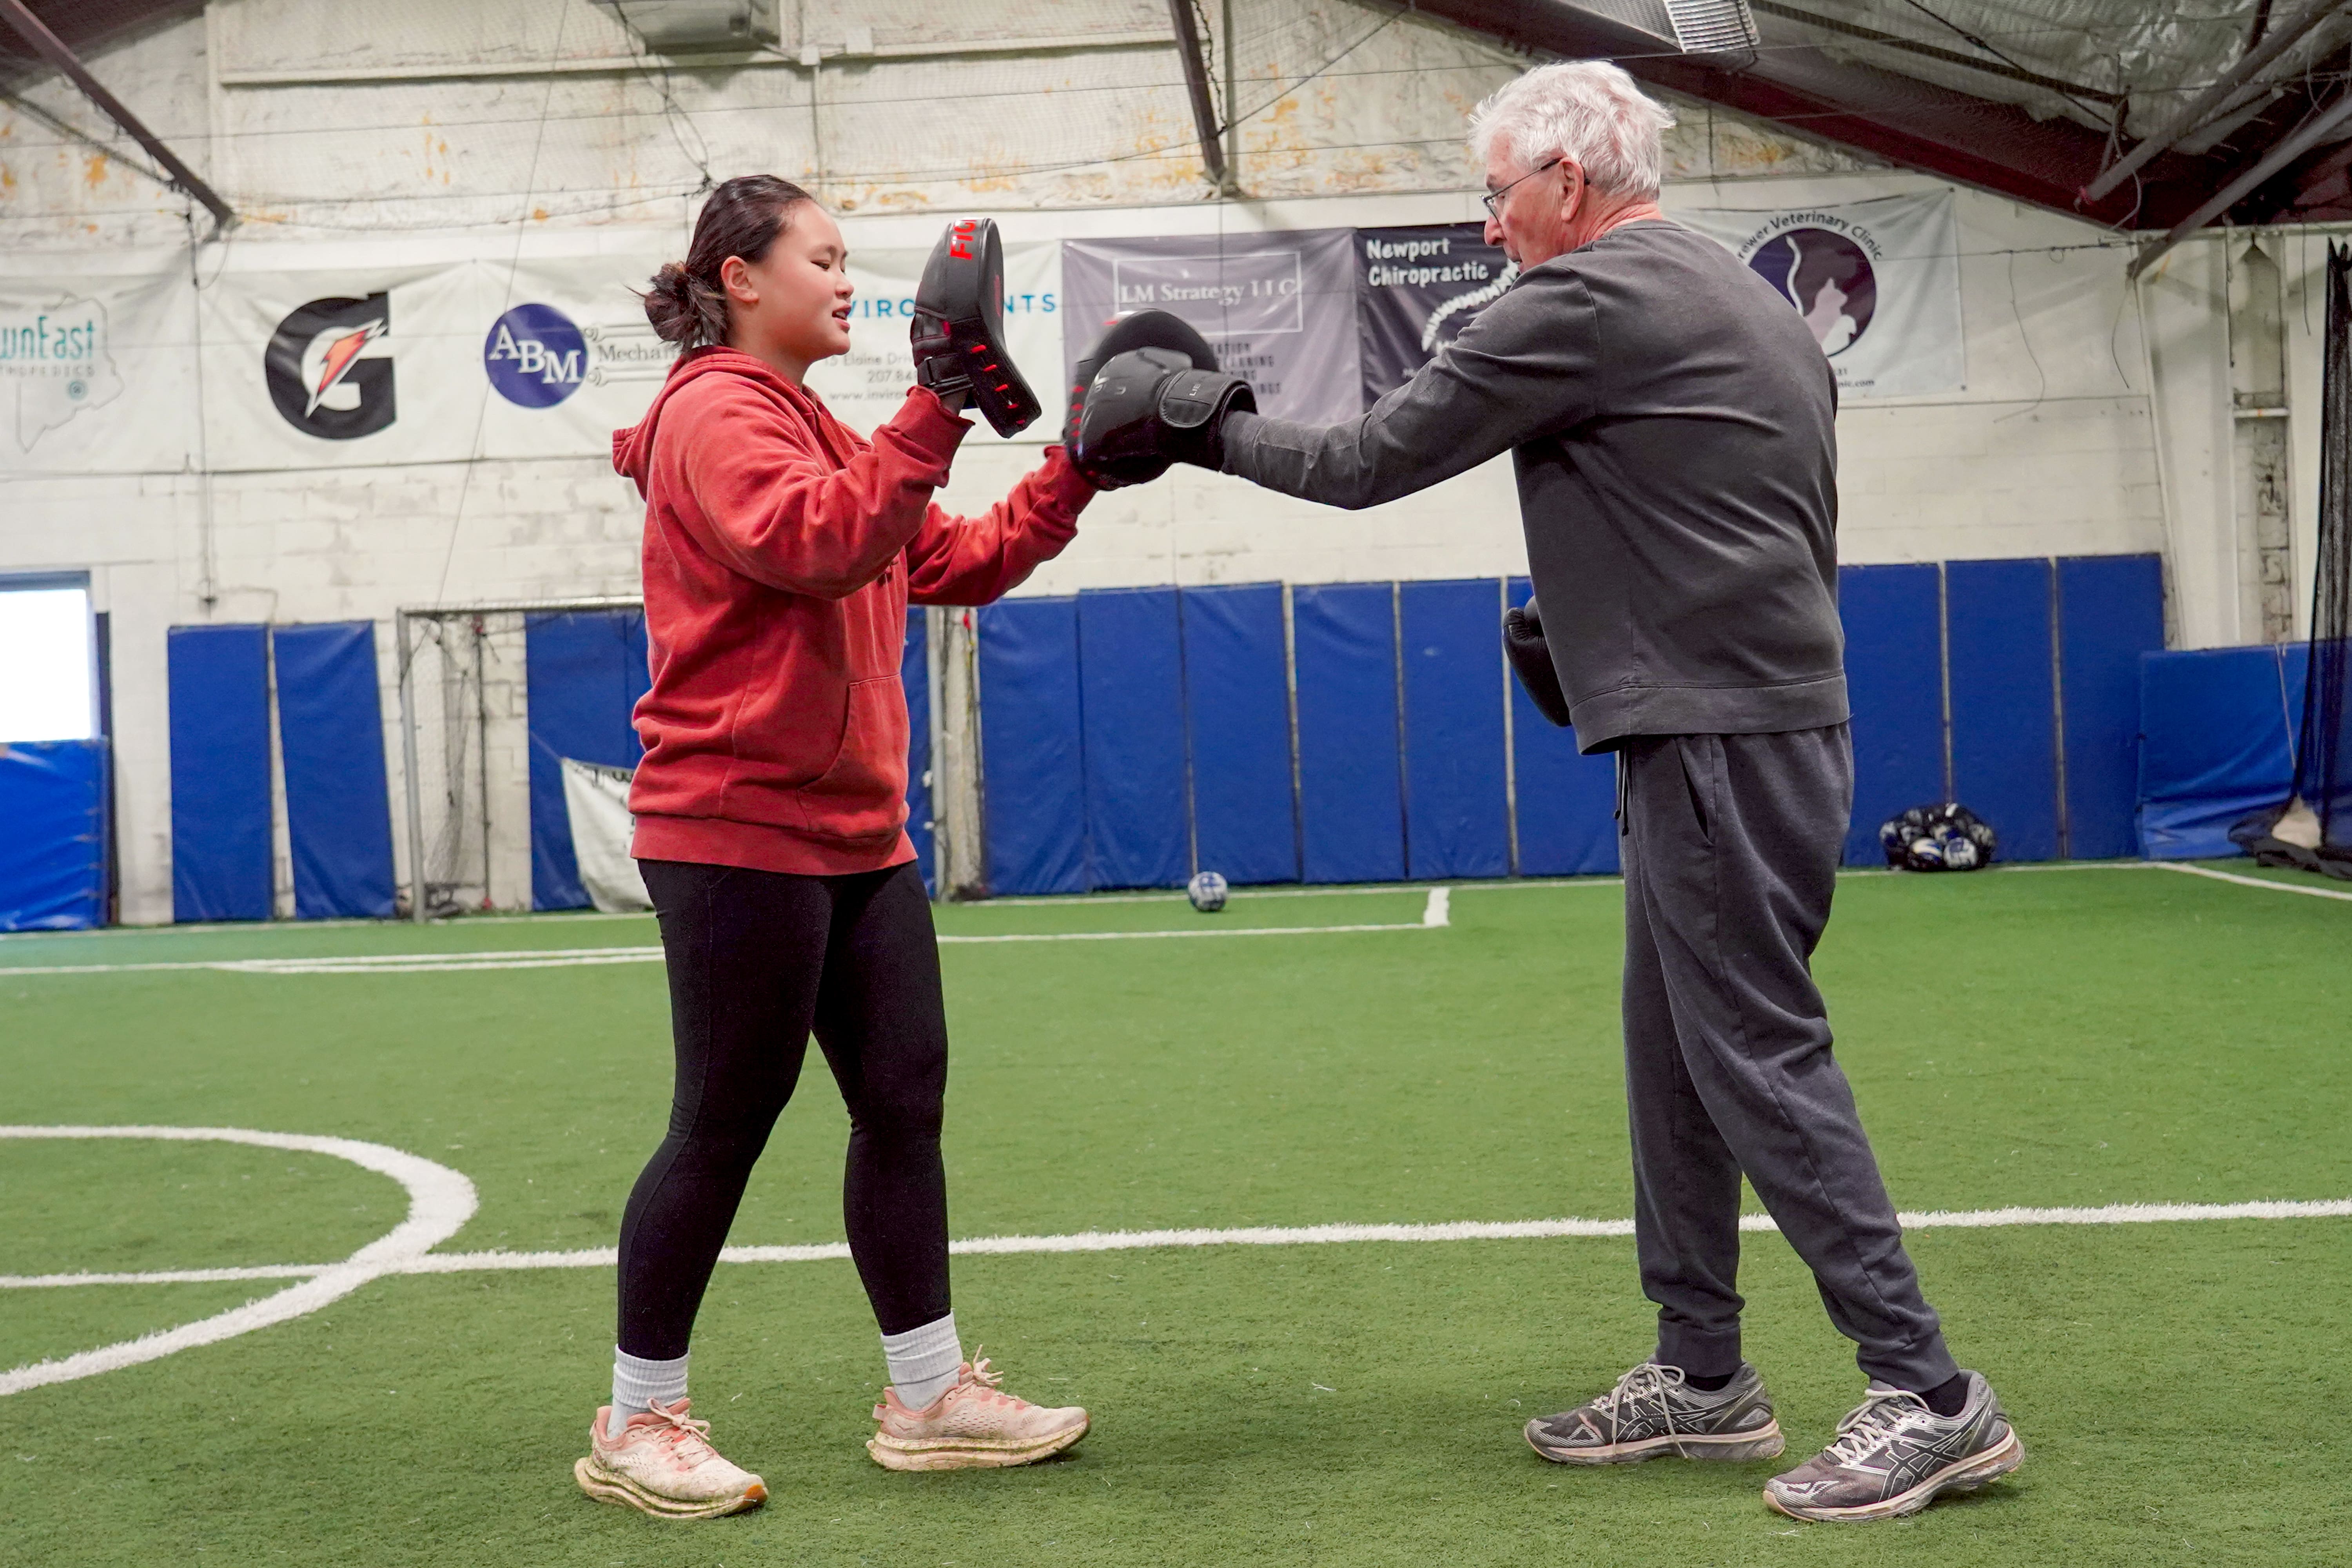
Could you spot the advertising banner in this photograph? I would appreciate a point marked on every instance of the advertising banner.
(564, 355)
(341, 368)
(1877, 282)
(868, 385)
(98, 373)
(1279, 309)
(1417, 289)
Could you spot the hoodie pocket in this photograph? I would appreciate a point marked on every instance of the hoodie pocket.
(863, 794)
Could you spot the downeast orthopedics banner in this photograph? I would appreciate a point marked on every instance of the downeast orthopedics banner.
(1877, 282)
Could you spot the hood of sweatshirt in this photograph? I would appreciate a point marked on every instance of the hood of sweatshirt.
(632, 448)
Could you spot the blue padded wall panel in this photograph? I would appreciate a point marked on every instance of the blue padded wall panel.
(2217, 732)
(583, 672)
(2004, 741)
(53, 856)
(1351, 804)
(1895, 684)
(330, 738)
(2110, 610)
(1132, 700)
(218, 679)
(1568, 800)
(1457, 807)
(1030, 754)
(915, 678)
(1237, 714)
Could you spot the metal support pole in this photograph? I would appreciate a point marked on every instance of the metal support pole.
(2206, 102)
(1196, 87)
(935, 630)
(2294, 145)
(407, 657)
(52, 49)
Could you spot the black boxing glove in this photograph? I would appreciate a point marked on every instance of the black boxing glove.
(1530, 657)
(1150, 408)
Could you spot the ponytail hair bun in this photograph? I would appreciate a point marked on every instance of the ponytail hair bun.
(686, 302)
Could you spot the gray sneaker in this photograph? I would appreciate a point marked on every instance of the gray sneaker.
(1655, 1411)
(1893, 1456)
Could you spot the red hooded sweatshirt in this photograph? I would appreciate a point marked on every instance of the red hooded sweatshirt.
(781, 554)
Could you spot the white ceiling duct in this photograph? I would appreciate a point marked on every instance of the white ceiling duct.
(1691, 27)
(673, 24)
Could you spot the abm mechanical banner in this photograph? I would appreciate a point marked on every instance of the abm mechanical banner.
(1878, 283)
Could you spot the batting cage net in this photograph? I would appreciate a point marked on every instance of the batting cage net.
(2311, 830)
(464, 752)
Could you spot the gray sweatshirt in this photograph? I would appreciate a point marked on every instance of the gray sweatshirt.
(1674, 427)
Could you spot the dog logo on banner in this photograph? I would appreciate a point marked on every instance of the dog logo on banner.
(1827, 277)
(53, 365)
(329, 372)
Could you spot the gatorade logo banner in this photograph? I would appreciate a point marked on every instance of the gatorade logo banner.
(1279, 308)
(329, 372)
(1878, 282)
(1419, 287)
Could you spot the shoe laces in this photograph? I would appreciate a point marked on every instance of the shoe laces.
(689, 1439)
(1884, 1415)
(1651, 1381)
(982, 1380)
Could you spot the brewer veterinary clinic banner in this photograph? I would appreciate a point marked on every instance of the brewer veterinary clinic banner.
(1877, 282)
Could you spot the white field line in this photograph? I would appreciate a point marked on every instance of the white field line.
(1251, 1236)
(1435, 913)
(2263, 882)
(440, 1202)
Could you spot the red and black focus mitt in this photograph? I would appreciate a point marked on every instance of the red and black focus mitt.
(959, 328)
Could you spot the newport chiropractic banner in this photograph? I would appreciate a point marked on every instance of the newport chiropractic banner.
(1418, 288)
(1877, 282)
(1279, 308)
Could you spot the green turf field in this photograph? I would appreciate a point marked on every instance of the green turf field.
(2026, 1037)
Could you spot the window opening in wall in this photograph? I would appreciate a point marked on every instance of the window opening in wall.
(49, 661)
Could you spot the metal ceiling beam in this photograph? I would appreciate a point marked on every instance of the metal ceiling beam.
(2204, 104)
(2290, 147)
(1878, 112)
(1196, 87)
(46, 44)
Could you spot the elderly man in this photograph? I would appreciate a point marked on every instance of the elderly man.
(1672, 426)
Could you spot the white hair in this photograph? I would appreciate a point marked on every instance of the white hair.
(1588, 112)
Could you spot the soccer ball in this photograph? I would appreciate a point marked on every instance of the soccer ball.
(1207, 892)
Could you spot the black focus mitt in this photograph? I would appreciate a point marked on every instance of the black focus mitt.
(1138, 329)
(959, 328)
(1151, 408)
(1530, 657)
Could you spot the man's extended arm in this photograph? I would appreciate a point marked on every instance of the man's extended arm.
(1526, 367)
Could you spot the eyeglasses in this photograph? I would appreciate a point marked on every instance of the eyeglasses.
(1493, 199)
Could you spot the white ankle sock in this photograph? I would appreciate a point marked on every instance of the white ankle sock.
(638, 1383)
(923, 1362)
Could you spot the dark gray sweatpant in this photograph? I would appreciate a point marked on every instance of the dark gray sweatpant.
(1731, 850)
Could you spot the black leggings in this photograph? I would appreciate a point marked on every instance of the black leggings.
(756, 960)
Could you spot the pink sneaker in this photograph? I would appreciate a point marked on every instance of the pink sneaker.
(663, 1463)
(973, 1425)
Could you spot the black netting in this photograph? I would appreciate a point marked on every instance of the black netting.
(2322, 768)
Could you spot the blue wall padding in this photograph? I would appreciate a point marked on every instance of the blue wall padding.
(2004, 734)
(915, 678)
(331, 741)
(218, 679)
(1131, 701)
(1350, 804)
(1237, 710)
(1031, 753)
(2218, 730)
(1894, 685)
(583, 672)
(53, 856)
(1568, 800)
(1457, 804)
(2110, 610)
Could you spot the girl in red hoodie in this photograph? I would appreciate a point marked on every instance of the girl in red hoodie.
(781, 554)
